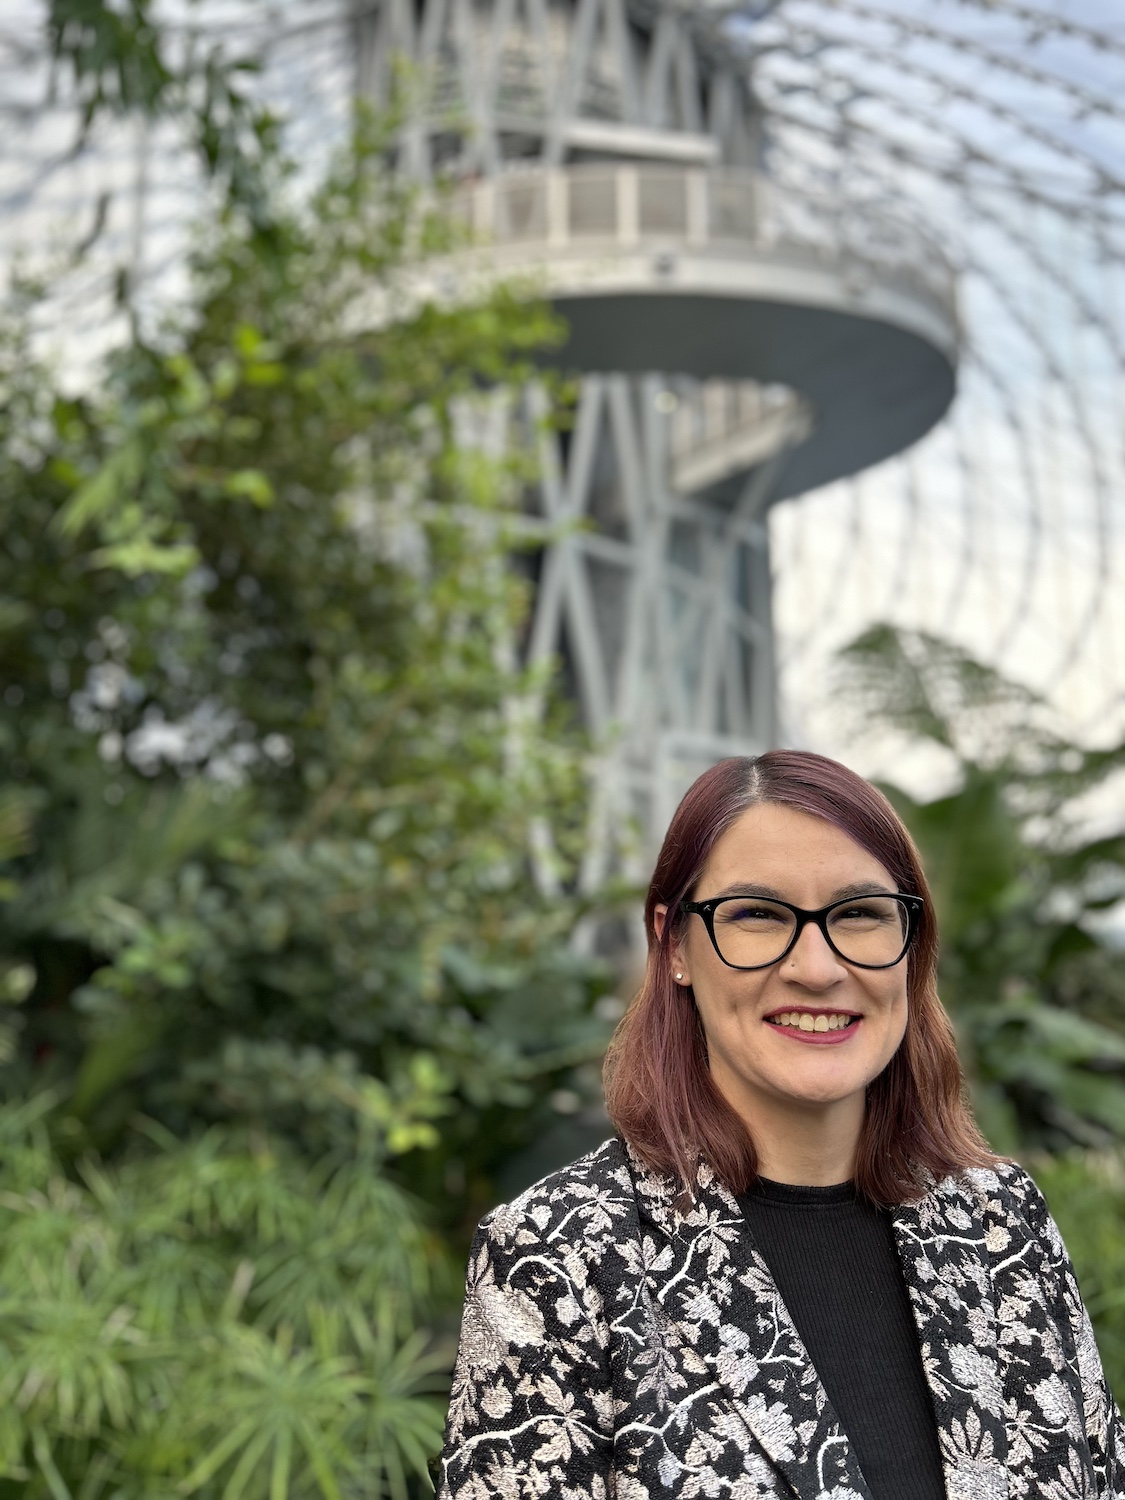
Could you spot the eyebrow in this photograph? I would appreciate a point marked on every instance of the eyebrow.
(769, 893)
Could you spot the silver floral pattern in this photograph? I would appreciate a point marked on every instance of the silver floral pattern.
(617, 1345)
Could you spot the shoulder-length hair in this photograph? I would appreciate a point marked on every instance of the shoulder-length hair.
(659, 1090)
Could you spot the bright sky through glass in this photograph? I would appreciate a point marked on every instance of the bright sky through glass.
(1002, 127)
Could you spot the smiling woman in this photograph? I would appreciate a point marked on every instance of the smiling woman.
(775, 986)
(798, 1267)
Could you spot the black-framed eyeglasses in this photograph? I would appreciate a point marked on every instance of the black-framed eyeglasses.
(753, 932)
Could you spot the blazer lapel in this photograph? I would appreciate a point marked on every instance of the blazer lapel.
(945, 1264)
(713, 1287)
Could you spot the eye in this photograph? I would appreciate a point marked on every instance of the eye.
(746, 912)
(876, 912)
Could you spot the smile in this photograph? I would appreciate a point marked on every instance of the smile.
(807, 1023)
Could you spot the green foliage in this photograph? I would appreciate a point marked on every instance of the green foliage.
(217, 1319)
(275, 774)
(286, 833)
(285, 839)
(1019, 884)
(1086, 1194)
(116, 59)
(115, 53)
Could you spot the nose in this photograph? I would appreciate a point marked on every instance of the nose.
(812, 962)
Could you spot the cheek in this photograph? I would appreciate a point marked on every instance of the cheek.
(730, 1017)
(896, 1006)
(900, 1028)
(709, 975)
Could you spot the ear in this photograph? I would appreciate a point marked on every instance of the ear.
(680, 971)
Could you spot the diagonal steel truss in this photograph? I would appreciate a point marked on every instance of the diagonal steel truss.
(657, 604)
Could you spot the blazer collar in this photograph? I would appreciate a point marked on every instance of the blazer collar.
(718, 1292)
(943, 1248)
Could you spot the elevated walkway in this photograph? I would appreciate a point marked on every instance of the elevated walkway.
(719, 274)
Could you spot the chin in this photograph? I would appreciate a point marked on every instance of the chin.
(825, 1096)
(825, 1090)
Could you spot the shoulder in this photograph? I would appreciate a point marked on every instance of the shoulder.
(1006, 1188)
(1003, 1197)
(586, 1203)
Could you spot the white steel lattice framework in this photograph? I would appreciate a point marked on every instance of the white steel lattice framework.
(995, 128)
(741, 344)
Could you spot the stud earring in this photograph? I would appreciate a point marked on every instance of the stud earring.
(679, 976)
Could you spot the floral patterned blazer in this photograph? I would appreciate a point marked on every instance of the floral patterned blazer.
(615, 1346)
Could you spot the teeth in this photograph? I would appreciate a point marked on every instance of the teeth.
(803, 1020)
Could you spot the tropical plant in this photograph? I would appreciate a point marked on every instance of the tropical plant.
(1023, 879)
(210, 1319)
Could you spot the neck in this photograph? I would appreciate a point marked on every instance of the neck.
(805, 1144)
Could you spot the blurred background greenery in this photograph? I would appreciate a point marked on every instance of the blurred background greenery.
(291, 992)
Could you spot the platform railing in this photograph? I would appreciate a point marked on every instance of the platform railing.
(630, 205)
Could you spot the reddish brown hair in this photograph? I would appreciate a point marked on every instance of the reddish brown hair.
(658, 1085)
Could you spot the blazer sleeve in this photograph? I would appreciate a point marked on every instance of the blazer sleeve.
(1105, 1431)
(531, 1410)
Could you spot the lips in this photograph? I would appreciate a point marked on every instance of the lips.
(821, 1028)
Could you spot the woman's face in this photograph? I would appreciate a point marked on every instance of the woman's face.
(757, 1059)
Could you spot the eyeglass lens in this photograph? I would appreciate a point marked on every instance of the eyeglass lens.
(869, 930)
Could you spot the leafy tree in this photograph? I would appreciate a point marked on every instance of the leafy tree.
(1020, 883)
(286, 836)
(279, 774)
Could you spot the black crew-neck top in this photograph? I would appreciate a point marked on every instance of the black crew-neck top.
(833, 1257)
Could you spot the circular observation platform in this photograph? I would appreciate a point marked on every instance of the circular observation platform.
(720, 274)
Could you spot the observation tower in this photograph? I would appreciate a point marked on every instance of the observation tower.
(738, 343)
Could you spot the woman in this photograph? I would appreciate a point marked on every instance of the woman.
(797, 1269)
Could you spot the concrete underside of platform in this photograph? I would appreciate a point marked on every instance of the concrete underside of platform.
(875, 386)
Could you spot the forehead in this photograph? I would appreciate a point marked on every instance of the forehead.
(784, 848)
